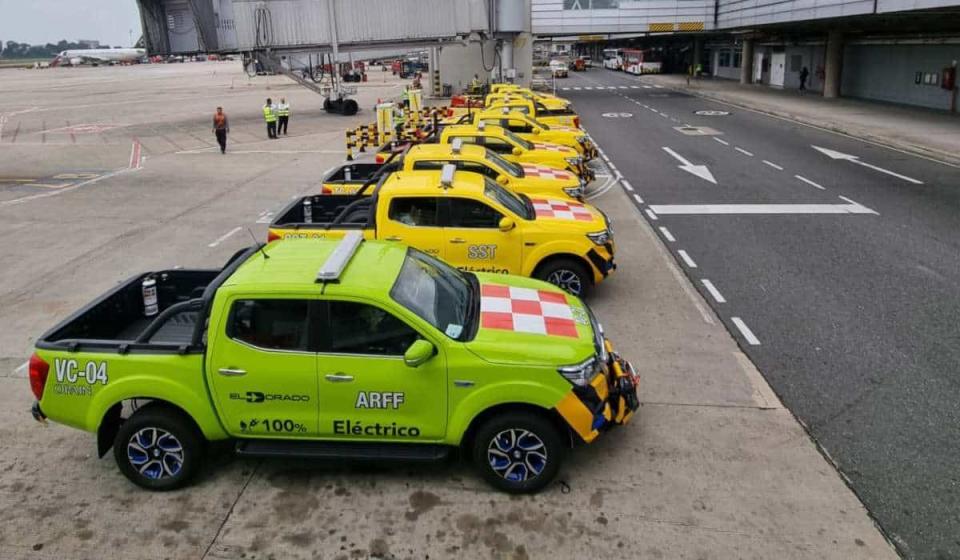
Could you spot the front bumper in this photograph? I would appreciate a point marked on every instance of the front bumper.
(609, 400)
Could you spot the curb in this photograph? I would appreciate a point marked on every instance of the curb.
(932, 154)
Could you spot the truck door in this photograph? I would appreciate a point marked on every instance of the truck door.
(263, 368)
(413, 220)
(474, 240)
(367, 391)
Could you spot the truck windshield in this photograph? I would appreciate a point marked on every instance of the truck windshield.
(436, 292)
(495, 192)
(517, 140)
(511, 168)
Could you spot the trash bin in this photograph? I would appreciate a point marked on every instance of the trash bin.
(447, 90)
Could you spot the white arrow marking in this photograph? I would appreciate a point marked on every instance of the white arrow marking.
(698, 170)
(833, 154)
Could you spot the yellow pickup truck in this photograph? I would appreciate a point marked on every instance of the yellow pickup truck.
(471, 222)
(529, 128)
(513, 148)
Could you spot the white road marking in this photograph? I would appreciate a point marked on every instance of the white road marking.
(809, 182)
(686, 258)
(699, 170)
(225, 236)
(638, 199)
(773, 165)
(717, 296)
(265, 217)
(666, 233)
(634, 87)
(577, 88)
(652, 214)
(65, 189)
(647, 87)
(135, 161)
(658, 86)
(742, 151)
(833, 154)
(653, 109)
(724, 142)
(664, 115)
(715, 209)
(745, 331)
(623, 87)
(627, 185)
(588, 87)
(22, 367)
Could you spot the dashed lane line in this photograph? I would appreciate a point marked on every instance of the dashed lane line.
(720, 140)
(651, 214)
(638, 198)
(666, 233)
(773, 165)
(809, 182)
(225, 236)
(748, 335)
(686, 258)
(714, 292)
(742, 151)
(627, 185)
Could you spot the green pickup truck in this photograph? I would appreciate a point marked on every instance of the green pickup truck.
(348, 349)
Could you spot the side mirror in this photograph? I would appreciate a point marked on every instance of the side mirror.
(506, 224)
(502, 179)
(418, 354)
(517, 151)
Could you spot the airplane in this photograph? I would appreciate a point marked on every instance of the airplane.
(77, 57)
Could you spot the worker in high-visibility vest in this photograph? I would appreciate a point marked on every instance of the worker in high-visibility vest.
(270, 115)
(283, 114)
(475, 84)
(405, 97)
(399, 120)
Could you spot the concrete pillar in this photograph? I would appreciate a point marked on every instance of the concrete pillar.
(746, 62)
(506, 58)
(832, 64)
(697, 52)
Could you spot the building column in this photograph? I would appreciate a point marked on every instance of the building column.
(697, 52)
(832, 64)
(746, 62)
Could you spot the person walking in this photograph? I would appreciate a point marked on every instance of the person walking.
(221, 126)
(270, 115)
(283, 114)
(804, 74)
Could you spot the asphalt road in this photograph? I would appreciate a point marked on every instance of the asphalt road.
(843, 288)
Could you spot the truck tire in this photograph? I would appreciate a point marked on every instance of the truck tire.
(158, 448)
(567, 274)
(518, 452)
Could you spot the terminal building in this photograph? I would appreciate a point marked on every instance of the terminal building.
(898, 51)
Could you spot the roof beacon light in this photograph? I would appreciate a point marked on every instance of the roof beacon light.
(446, 175)
(340, 257)
(457, 145)
(481, 126)
(506, 110)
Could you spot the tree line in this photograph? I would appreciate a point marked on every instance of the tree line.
(13, 49)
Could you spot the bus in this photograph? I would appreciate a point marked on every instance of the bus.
(641, 61)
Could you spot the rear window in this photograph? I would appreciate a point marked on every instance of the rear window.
(271, 324)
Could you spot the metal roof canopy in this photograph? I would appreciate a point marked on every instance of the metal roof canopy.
(230, 26)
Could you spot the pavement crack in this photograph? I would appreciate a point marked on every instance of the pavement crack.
(226, 517)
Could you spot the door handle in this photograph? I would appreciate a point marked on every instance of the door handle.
(458, 240)
(339, 377)
(232, 372)
(393, 238)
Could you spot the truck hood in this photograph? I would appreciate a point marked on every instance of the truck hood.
(530, 322)
(547, 173)
(566, 151)
(567, 215)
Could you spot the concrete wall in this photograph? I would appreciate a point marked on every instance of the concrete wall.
(459, 63)
(888, 73)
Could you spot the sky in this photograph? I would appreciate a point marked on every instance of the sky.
(49, 21)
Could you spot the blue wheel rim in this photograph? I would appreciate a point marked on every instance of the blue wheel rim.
(517, 455)
(155, 453)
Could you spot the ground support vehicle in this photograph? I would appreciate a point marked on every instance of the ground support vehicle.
(469, 221)
(557, 116)
(558, 68)
(335, 350)
(641, 61)
(516, 149)
(527, 178)
(530, 129)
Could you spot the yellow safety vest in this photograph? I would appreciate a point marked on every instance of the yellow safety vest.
(283, 111)
(268, 114)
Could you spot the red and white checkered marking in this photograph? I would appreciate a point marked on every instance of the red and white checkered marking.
(561, 209)
(545, 172)
(552, 148)
(526, 310)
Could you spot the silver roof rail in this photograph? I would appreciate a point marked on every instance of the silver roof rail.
(340, 257)
(446, 175)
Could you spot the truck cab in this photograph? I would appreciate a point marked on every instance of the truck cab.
(560, 115)
(350, 350)
(532, 130)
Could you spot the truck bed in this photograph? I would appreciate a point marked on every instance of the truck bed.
(118, 315)
(352, 173)
(342, 211)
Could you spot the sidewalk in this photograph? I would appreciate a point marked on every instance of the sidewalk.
(924, 132)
